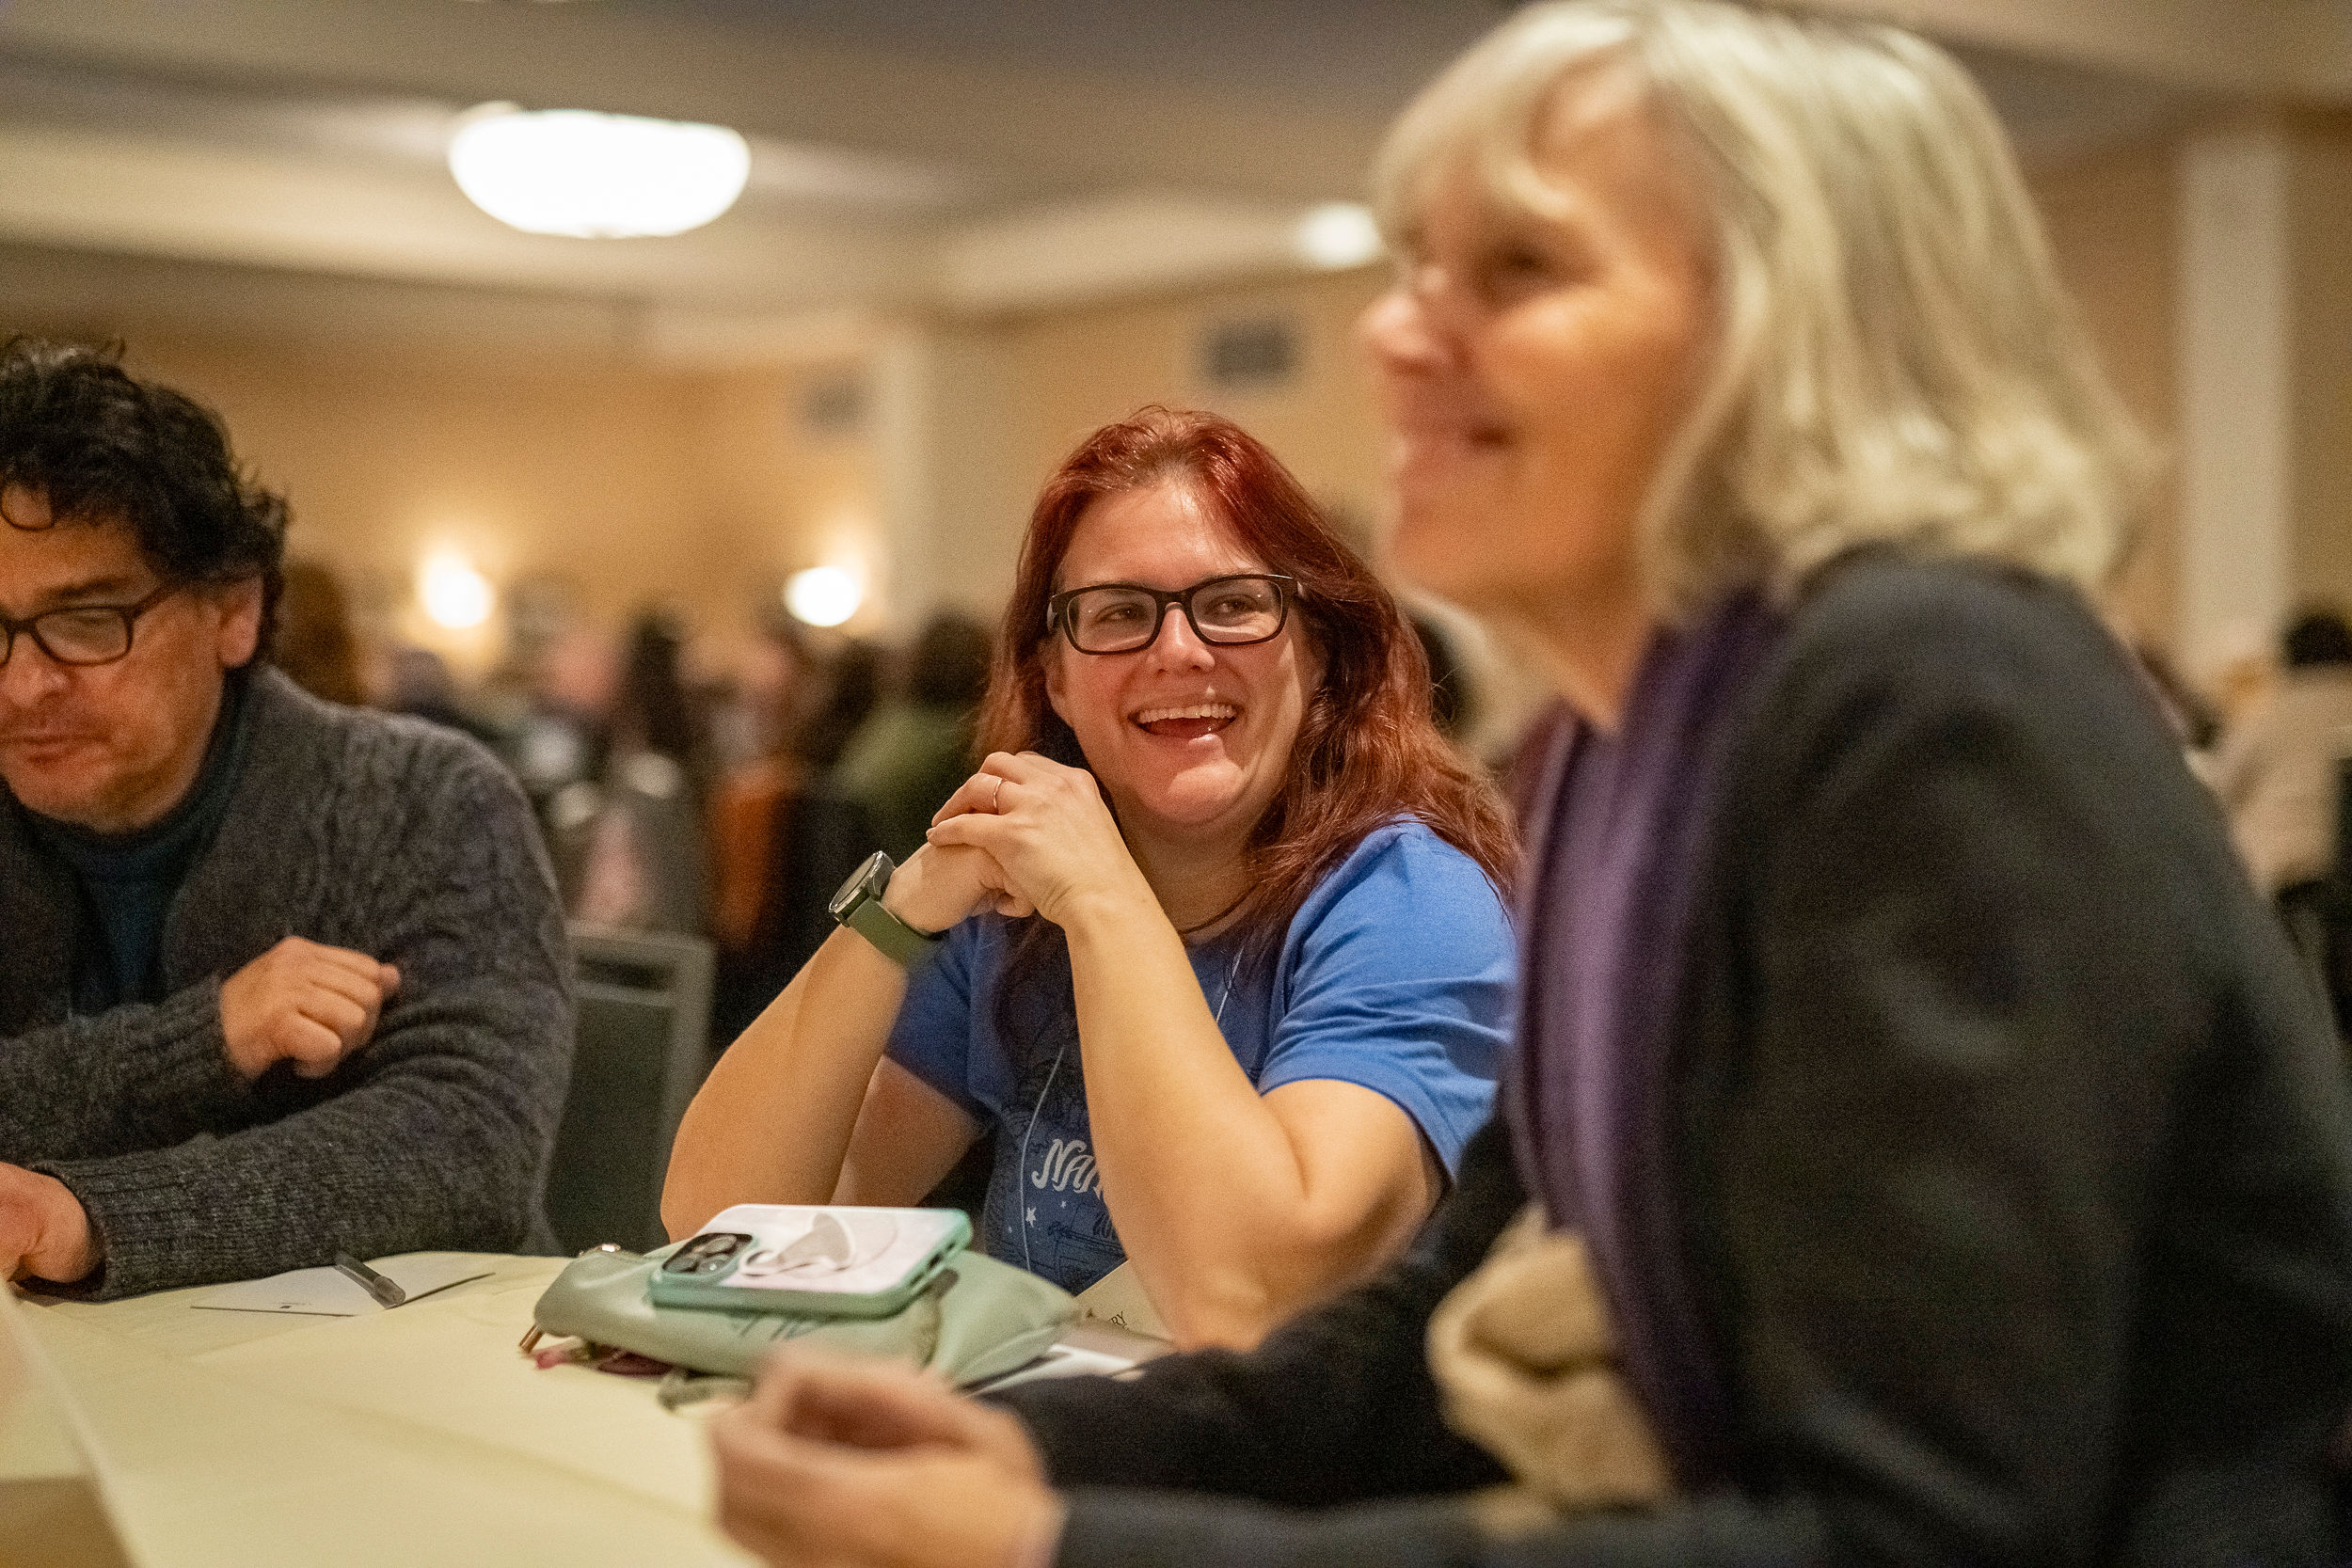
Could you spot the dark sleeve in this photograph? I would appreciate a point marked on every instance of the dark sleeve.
(130, 1077)
(436, 1134)
(1158, 1529)
(2022, 1144)
(1334, 1406)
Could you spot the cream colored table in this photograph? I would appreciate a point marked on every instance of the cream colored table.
(412, 1439)
(406, 1439)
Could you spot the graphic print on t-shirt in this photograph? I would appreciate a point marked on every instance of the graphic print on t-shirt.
(1045, 1209)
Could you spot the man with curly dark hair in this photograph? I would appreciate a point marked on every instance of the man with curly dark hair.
(280, 978)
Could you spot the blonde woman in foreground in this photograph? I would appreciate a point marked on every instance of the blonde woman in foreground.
(1945, 1162)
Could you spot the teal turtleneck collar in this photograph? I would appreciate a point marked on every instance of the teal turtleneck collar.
(128, 881)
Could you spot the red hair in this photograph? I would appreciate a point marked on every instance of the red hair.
(1368, 750)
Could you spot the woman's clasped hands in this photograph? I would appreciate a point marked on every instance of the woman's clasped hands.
(1023, 835)
(864, 1465)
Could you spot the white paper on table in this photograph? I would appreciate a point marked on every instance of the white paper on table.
(1088, 1348)
(329, 1293)
(1116, 1331)
(1117, 1299)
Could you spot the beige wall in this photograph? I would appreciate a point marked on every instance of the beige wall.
(2111, 222)
(701, 488)
(1080, 368)
(633, 485)
(2264, 294)
(773, 497)
(973, 416)
(2320, 208)
(2113, 229)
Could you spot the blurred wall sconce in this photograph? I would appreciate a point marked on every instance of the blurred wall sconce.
(456, 596)
(822, 596)
(1337, 234)
(595, 176)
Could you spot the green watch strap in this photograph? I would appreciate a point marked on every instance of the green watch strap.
(900, 942)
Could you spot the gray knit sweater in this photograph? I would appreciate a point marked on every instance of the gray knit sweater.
(386, 835)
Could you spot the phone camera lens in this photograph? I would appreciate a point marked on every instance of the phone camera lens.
(705, 1254)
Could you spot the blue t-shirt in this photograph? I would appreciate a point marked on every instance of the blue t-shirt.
(1396, 973)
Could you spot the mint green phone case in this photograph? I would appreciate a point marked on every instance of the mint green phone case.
(720, 1291)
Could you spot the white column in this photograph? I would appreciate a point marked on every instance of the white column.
(2236, 378)
(952, 504)
(2323, 356)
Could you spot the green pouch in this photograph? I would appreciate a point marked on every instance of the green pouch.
(978, 1319)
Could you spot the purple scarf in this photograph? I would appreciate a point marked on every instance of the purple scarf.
(1615, 842)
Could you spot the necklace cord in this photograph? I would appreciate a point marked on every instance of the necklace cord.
(1200, 925)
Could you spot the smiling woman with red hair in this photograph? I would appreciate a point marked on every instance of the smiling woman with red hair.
(1211, 942)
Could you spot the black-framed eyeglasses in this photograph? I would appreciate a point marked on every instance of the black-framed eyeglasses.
(85, 634)
(1122, 617)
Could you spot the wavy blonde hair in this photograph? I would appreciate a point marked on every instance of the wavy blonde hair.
(1893, 360)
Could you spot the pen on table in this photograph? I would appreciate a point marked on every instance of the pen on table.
(386, 1292)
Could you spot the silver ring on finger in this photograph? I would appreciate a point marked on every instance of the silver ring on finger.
(996, 801)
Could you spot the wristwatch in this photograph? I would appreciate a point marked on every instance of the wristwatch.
(859, 906)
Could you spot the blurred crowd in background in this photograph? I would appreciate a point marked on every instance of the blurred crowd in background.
(717, 798)
(727, 800)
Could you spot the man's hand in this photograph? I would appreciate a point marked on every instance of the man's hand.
(305, 1002)
(44, 1231)
(870, 1466)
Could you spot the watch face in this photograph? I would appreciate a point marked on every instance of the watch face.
(864, 883)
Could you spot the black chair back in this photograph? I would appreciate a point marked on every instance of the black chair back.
(645, 1018)
(2341, 876)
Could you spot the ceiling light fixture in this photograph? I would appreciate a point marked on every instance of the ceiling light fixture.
(1338, 234)
(595, 176)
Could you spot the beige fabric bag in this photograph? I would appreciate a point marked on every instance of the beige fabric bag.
(1524, 1357)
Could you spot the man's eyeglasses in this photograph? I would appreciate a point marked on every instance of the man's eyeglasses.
(1120, 617)
(86, 634)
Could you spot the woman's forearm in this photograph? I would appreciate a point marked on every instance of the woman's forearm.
(1231, 1221)
(773, 1122)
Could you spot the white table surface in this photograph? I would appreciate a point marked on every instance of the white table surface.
(407, 1438)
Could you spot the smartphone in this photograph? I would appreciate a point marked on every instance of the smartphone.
(822, 1260)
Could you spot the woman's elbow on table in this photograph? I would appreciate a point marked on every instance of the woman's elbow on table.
(1233, 1304)
(676, 1206)
(1209, 1311)
(699, 1182)
(1268, 1273)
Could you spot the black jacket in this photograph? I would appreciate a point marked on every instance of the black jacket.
(2015, 1160)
